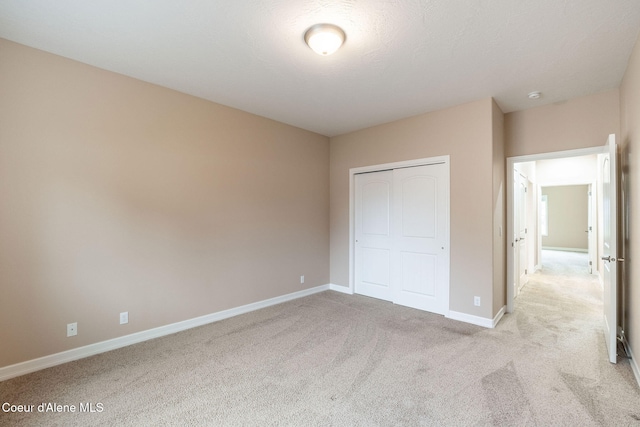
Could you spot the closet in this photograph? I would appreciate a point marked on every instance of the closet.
(402, 236)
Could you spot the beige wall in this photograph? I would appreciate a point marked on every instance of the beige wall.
(577, 123)
(463, 132)
(630, 144)
(568, 217)
(118, 195)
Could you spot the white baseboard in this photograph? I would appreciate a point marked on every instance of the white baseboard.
(477, 320)
(634, 365)
(29, 366)
(498, 316)
(343, 289)
(557, 248)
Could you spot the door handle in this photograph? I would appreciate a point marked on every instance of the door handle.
(612, 259)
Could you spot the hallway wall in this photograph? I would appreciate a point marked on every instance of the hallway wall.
(567, 217)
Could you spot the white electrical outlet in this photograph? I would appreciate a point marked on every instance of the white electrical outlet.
(124, 317)
(301, 279)
(476, 301)
(72, 329)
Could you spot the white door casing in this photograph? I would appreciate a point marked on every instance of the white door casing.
(610, 216)
(401, 235)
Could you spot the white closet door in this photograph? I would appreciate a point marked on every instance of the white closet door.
(373, 239)
(420, 266)
(401, 236)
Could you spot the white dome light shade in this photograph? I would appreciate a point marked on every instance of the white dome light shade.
(324, 39)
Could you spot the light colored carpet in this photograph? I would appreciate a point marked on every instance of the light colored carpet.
(337, 360)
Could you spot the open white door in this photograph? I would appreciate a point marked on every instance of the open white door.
(610, 234)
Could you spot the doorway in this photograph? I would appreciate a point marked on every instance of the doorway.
(573, 167)
(606, 179)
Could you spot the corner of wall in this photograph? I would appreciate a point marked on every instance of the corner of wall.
(499, 210)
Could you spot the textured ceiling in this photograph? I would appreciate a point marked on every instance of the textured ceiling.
(401, 58)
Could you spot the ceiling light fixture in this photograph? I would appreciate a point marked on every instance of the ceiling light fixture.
(535, 95)
(324, 39)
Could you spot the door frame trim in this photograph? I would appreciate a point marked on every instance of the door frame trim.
(511, 161)
(386, 166)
